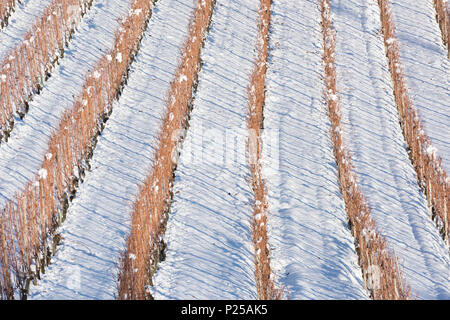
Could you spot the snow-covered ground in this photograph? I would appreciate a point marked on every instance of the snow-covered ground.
(312, 247)
(210, 254)
(22, 156)
(374, 137)
(20, 23)
(427, 69)
(98, 219)
(209, 239)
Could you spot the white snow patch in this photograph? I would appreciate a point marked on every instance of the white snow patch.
(119, 57)
(42, 174)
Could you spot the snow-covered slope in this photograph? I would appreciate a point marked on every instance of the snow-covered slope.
(374, 137)
(20, 23)
(22, 156)
(312, 247)
(210, 252)
(427, 69)
(98, 219)
(209, 240)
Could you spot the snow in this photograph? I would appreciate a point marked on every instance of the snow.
(427, 69)
(19, 23)
(99, 217)
(373, 135)
(390, 41)
(42, 174)
(313, 253)
(119, 57)
(22, 156)
(210, 254)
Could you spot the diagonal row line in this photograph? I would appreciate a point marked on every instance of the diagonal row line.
(28, 222)
(265, 283)
(29, 64)
(432, 177)
(371, 247)
(443, 18)
(144, 248)
(7, 7)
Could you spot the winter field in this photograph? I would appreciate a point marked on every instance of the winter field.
(225, 149)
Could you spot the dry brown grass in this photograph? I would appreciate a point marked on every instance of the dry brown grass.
(372, 249)
(29, 221)
(265, 284)
(443, 18)
(431, 175)
(150, 211)
(26, 66)
(7, 7)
